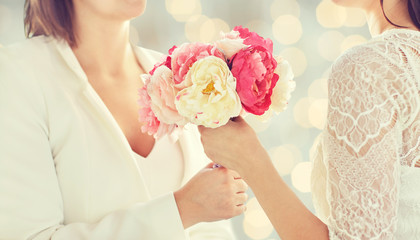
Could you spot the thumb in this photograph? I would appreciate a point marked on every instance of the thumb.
(238, 119)
(201, 128)
(213, 165)
(210, 165)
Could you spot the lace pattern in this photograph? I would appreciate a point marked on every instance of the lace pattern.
(372, 138)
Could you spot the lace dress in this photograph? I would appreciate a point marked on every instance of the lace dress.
(366, 175)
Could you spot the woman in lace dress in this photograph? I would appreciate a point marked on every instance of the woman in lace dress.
(366, 176)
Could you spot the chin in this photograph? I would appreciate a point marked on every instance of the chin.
(354, 3)
(344, 3)
(133, 8)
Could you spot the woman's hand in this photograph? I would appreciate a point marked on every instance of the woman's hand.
(234, 146)
(212, 194)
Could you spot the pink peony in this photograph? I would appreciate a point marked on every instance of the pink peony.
(151, 123)
(253, 39)
(162, 95)
(166, 61)
(187, 54)
(253, 69)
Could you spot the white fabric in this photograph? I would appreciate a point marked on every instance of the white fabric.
(163, 168)
(66, 169)
(364, 182)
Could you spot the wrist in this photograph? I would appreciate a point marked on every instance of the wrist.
(186, 209)
(259, 164)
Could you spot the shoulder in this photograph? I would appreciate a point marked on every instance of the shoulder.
(381, 54)
(363, 55)
(375, 62)
(26, 49)
(19, 64)
(25, 56)
(364, 77)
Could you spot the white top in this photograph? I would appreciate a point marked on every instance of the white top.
(365, 181)
(163, 168)
(66, 169)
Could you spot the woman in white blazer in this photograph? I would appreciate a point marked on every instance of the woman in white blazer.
(73, 161)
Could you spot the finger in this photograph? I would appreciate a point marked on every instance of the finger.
(201, 128)
(234, 174)
(240, 209)
(238, 119)
(241, 186)
(241, 198)
(214, 165)
(217, 166)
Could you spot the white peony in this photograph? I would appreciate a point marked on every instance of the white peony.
(210, 99)
(230, 43)
(284, 87)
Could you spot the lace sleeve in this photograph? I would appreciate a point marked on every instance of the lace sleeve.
(361, 147)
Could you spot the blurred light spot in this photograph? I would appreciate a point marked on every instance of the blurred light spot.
(351, 41)
(256, 123)
(317, 113)
(329, 45)
(283, 159)
(287, 29)
(326, 73)
(355, 18)
(259, 231)
(300, 112)
(318, 88)
(6, 16)
(252, 205)
(296, 58)
(207, 31)
(193, 26)
(182, 10)
(211, 29)
(256, 223)
(283, 7)
(259, 26)
(301, 177)
(203, 29)
(330, 15)
(134, 35)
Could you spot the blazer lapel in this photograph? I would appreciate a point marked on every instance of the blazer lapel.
(100, 108)
(194, 157)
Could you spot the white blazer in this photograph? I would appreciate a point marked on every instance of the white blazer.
(66, 169)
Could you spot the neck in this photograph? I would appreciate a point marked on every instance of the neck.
(103, 46)
(395, 10)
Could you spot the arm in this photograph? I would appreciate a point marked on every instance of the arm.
(245, 154)
(361, 146)
(31, 204)
(362, 184)
(196, 158)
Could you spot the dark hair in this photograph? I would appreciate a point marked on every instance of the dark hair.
(413, 9)
(50, 18)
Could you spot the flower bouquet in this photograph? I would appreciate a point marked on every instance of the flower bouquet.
(208, 84)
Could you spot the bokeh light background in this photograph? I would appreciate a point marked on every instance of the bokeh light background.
(309, 34)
